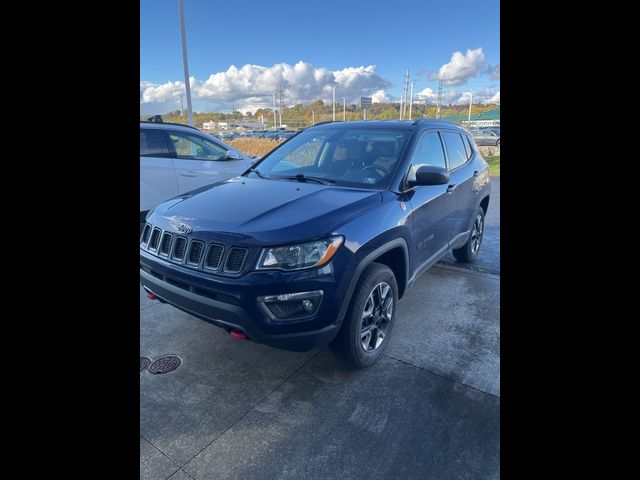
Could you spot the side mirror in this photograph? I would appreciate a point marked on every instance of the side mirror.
(430, 175)
(232, 155)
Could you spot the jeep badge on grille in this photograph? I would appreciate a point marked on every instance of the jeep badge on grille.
(185, 228)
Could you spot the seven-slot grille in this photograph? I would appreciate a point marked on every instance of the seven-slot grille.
(235, 260)
(195, 253)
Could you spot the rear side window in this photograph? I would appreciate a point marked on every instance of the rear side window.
(428, 152)
(152, 144)
(468, 145)
(455, 149)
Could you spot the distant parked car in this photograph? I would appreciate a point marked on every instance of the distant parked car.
(486, 137)
(176, 158)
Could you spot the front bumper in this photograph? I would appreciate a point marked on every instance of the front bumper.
(231, 303)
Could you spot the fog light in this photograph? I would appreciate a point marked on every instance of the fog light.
(291, 306)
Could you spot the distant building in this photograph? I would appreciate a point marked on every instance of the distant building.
(210, 125)
(223, 125)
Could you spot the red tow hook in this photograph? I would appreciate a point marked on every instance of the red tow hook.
(238, 334)
(151, 296)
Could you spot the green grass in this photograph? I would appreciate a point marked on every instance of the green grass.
(494, 164)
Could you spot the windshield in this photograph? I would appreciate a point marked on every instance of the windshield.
(357, 157)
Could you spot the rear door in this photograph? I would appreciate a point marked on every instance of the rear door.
(431, 204)
(460, 189)
(157, 174)
(199, 161)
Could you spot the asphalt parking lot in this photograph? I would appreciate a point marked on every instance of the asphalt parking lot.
(428, 409)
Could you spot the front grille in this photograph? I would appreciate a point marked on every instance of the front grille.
(235, 260)
(155, 239)
(145, 234)
(214, 255)
(179, 249)
(195, 252)
(165, 244)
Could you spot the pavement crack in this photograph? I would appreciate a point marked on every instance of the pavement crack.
(442, 376)
(161, 452)
(253, 408)
(183, 471)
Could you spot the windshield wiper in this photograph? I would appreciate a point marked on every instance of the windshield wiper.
(303, 178)
(258, 173)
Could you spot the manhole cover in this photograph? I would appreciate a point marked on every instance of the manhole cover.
(144, 363)
(164, 364)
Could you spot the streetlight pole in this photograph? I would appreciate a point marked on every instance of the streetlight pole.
(185, 61)
(334, 104)
(274, 111)
(411, 101)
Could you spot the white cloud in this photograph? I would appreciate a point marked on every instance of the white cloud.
(251, 87)
(495, 98)
(380, 97)
(461, 67)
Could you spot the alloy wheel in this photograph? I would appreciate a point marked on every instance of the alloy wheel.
(376, 317)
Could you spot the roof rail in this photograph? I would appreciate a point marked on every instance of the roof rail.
(170, 123)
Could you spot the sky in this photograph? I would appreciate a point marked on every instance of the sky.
(241, 51)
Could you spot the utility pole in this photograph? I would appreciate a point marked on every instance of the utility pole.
(439, 99)
(470, 102)
(401, 106)
(181, 106)
(344, 109)
(274, 111)
(406, 92)
(185, 61)
(334, 104)
(411, 101)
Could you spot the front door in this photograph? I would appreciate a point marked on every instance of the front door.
(431, 205)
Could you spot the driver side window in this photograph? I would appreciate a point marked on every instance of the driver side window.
(428, 151)
(193, 147)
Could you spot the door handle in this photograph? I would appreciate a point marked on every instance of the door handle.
(188, 174)
(451, 187)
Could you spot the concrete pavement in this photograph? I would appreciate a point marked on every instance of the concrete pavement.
(429, 409)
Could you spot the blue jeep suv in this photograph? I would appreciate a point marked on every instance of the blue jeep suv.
(316, 243)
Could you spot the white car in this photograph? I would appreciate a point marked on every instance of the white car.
(175, 159)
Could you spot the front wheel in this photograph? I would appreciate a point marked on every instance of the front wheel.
(469, 251)
(370, 317)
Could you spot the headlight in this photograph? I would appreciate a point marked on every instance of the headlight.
(304, 255)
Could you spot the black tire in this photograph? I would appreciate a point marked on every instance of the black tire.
(348, 344)
(498, 143)
(468, 252)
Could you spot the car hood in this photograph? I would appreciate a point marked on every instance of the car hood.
(250, 210)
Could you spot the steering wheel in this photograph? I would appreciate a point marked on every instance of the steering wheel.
(378, 169)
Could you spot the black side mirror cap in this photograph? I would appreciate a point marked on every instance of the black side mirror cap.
(430, 175)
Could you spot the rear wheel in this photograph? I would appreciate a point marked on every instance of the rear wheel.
(370, 317)
(469, 251)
